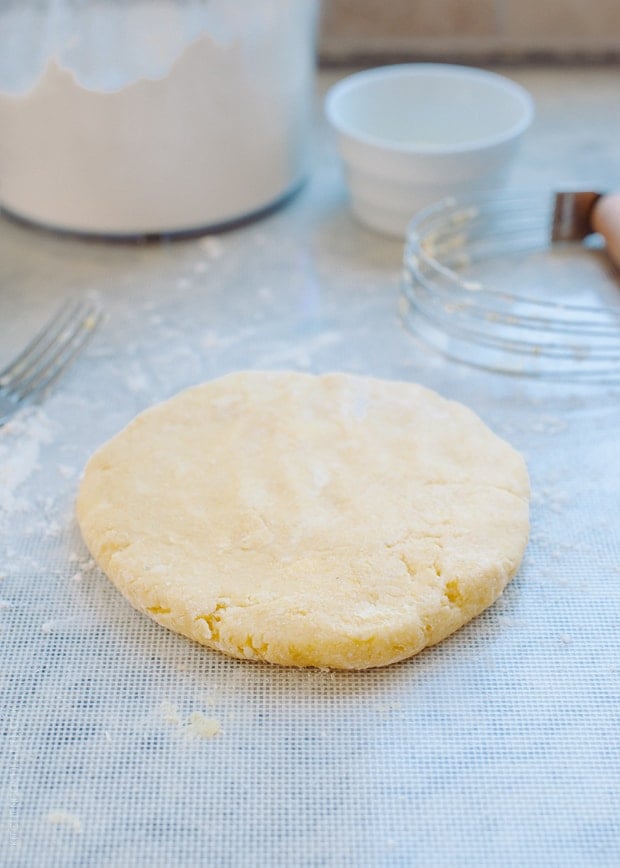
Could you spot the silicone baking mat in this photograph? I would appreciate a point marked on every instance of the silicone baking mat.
(123, 744)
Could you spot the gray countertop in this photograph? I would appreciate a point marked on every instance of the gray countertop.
(499, 746)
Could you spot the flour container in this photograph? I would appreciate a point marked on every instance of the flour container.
(132, 118)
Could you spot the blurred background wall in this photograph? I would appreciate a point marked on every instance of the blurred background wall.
(512, 30)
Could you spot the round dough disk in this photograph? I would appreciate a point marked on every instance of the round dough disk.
(332, 521)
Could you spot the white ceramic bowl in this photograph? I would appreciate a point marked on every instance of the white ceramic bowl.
(414, 133)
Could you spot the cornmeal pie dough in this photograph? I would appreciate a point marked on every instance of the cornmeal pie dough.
(332, 521)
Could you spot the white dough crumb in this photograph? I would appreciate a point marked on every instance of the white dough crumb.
(200, 726)
(565, 639)
(4, 604)
(64, 818)
(213, 247)
(506, 620)
(197, 726)
(47, 626)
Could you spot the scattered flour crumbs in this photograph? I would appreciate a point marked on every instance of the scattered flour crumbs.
(64, 818)
(22, 438)
(198, 725)
(213, 249)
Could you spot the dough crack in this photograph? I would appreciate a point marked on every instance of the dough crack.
(213, 619)
(407, 564)
(453, 593)
(158, 610)
(113, 546)
(252, 650)
(432, 536)
(413, 571)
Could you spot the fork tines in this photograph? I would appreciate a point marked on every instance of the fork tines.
(48, 354)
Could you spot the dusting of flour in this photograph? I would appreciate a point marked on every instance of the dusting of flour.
(20, 446)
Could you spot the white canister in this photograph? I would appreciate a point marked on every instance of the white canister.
(152, 118)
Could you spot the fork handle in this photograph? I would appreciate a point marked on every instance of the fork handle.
(606, 220)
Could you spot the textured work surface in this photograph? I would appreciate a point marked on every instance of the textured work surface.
(499, 746)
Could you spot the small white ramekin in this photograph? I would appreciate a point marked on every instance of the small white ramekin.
(414, 133)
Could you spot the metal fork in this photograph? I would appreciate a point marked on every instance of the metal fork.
(47, 356)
